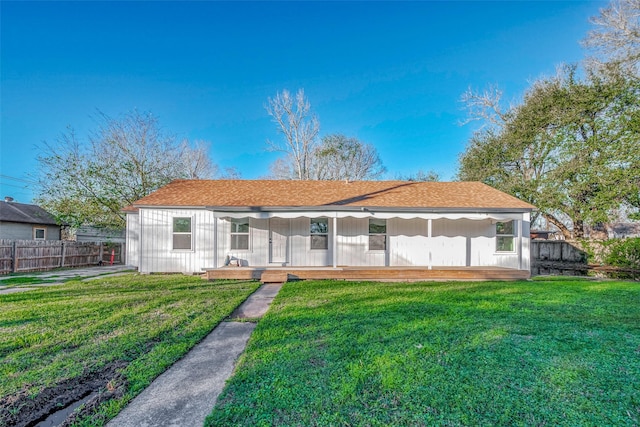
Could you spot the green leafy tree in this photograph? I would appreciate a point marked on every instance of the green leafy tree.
(123, 160)
(570, 148)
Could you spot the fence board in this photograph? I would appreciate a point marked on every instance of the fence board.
(30, 255)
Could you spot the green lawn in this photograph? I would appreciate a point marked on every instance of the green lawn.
(125, 330)
(546, 352)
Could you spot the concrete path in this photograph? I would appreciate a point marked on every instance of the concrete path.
(186, 393)
(61, 276)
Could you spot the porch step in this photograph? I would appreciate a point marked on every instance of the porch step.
(274, 277)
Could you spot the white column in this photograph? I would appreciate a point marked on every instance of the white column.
(429, 227)
(215, 241)
(519, 240)
(335, 240)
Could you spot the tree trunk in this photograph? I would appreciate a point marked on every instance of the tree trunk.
(578, 229)
(566, 233)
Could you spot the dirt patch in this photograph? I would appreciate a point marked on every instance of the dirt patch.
(21, 410)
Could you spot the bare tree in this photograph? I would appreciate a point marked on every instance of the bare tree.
(484, 106)
(616, 39)
(123, 160)
(299, 127)
(340, 158)
(195, 161)
(420, 176)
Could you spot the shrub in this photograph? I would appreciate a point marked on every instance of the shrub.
(625, 253)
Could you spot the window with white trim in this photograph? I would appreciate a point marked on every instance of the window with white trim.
(240, 234)
(505, 236)
(182, 234)
(377, 234)
(319, 231)
(39, 233)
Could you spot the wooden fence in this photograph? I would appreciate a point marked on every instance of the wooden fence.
(19, 256)
(557, 257)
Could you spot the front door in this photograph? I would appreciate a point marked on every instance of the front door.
(278, 240)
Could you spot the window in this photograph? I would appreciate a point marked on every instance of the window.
(377, 234)
(240, 234)
(319, 231)
(39, 233)
(504, 236)
(182, 233)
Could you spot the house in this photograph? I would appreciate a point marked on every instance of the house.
(91, 233)
(20, 221)
(327, 229)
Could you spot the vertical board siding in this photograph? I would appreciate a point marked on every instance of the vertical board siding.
(408, 242)
(455, 243)
(133, 240)
(156, 249)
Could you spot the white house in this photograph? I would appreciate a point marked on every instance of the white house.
(195, 225)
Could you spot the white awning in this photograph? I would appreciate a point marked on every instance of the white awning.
(495, 216)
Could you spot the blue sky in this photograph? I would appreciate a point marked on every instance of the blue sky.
(388, 73)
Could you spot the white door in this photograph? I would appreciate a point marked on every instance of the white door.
(278, 240)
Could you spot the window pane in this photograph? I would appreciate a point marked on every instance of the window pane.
(182, 241)
(240, 241)
(504, 244)
(377, 242)
(319, 241)
(504, 227)
(240, 225)
(39, 233)
(377, 226)
(182, 225)
(319, 225)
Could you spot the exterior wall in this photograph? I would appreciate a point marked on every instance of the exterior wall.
(299, 251)
(473, 243)
(156, 241)
(24, 231)
(460, 242)
(132, 257)
(94, 234)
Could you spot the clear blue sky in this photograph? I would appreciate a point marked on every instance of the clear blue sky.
(390, 74)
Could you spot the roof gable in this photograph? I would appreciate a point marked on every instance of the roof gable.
(331, 194)
(24, 213)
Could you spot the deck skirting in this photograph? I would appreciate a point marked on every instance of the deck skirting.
(267, 274)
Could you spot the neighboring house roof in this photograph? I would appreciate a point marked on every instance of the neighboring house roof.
(20, 212)
(331, 194)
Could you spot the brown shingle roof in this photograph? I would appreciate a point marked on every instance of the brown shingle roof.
(325, 194)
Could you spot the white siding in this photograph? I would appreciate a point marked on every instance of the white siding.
(133, 240)
(459, 242)
(469, 243)
(156, 243)
(258, 252)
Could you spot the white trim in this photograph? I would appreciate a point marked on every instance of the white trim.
(496, 216)
(429, 235)
(334, 243)
(33, 233)
(192, 233)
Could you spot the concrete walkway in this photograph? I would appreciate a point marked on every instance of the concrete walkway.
(61, 276)
(186, 393)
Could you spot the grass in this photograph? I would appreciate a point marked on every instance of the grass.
(546, 352)
(24, 281)
(142, 323)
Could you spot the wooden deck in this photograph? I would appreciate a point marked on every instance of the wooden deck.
(282, 274)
